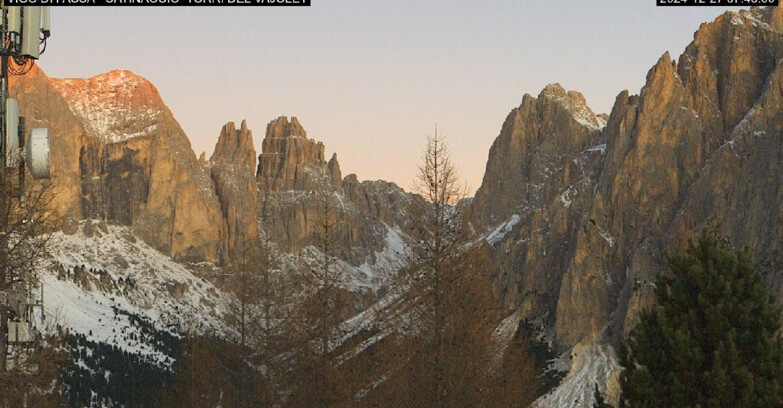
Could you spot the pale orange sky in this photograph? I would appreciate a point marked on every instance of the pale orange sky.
(371, 79)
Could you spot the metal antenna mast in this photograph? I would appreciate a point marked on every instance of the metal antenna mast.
(23, 35)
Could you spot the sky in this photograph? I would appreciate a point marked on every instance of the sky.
(370, 79)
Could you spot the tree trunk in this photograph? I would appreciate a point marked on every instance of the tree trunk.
(3, 337)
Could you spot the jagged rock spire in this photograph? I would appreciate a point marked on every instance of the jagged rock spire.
(235, 146)
(291, 161)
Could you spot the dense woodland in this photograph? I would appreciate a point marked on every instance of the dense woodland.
(98, 374)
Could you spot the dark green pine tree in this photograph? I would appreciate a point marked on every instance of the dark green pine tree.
(714, 339)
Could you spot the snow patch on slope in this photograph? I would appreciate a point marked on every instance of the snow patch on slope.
(500, 232)
(96, 283)
(575, 104)
(376, 318)
(592, 364)
(593, 123)
(741, 17)
(391, 259)
(599, 148)
(371, 275)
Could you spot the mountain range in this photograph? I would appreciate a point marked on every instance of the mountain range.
(576, 209)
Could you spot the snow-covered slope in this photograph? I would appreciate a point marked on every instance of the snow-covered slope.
(387, 262)
(97, 284)
(373, 275)
(500, 232)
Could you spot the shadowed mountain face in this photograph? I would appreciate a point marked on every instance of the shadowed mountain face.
(593, 210)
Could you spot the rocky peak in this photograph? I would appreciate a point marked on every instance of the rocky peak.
(555, 92)
(232, 171)
(291, 161)
(662, 70)
(282, 128)
(530, 158)
(727, 65)
(573, 102)
(114, 106)
(235, 146)
(662, 84)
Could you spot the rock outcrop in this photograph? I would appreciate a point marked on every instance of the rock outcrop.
(539, 180)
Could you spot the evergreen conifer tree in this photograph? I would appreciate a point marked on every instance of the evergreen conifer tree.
(714, 339)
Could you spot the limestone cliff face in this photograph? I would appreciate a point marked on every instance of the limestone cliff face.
(539, 180)
(43, 106)
(118, 154)
(233, 167)
(692, 115)
(694, 149)
(741, 183)
(182, 209)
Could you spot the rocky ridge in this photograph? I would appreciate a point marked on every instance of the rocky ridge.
(597, 207)
(120, 156)
(114, 106)
(299, 188)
